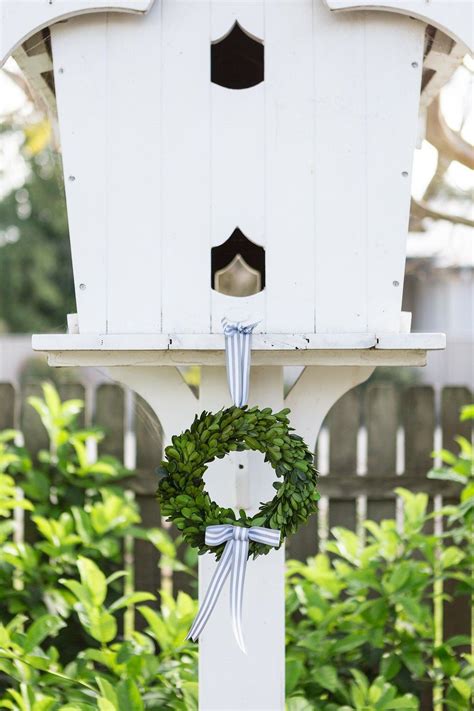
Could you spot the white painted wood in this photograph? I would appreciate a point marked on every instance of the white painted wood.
(228, 679)
(252, 308)
(237, 158)
(165, 391)
(20, 20)
(237, 141)
(81, 92)
(392, 101)
(237, 161)
(215, 342)
(250, 16)
(340, 172)
(454, 17)
(289, 166)
(400, 341)
(185, 97)
(316, 391)
(393, 357)
(134, 177)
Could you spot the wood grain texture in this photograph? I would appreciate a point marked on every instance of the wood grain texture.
(186, 191)
(109, 415)
(454, 17)
(80, 75)
(149, 447)
(418, 419)
(21, 20)
(381, 417)
(343, 422)
(7, 406)
(289, 166)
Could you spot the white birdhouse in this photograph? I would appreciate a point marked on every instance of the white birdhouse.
(249, 159)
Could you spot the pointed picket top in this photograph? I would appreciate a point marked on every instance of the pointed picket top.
(22, 19)
(453, 17)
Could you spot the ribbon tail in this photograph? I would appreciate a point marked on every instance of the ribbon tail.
(239, 567)
(213, 592)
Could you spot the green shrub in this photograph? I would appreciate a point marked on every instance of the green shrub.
(364, 618)
(67, 635)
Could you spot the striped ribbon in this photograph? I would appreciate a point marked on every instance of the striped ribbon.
(238, 338)
(233, 562)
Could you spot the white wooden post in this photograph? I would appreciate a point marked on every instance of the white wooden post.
(228, 679)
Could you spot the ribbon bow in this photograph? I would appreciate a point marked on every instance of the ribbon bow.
(233, 561)
(237, 347)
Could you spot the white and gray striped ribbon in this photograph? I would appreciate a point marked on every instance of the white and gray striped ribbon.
(233, 561)
(238, 338)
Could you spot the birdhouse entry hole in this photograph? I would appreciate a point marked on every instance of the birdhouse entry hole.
(238, 266)
(237, 59)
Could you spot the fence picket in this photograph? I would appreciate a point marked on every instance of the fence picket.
(110, 416)
(381, 417)
(418, 417)
(149, 443)
(7, 406)
(343, 423)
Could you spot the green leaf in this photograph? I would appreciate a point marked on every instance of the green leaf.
(131, 599)
(326, 676)
(451, 556)
(93, 579)
(105, 705)
(447, 475)
(299, 703)
(462, 687)
(128, 696)
(44, 626)
(294, 671)
(407, 702)
(101, 625)
(467, 413)
(390, 666)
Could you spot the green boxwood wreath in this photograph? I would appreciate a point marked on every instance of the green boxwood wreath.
(187, 504)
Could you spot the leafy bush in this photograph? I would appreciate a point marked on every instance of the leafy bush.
(67, 635)
(361, 628)
(363, 618)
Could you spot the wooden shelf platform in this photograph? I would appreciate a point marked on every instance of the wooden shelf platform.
(267, 349)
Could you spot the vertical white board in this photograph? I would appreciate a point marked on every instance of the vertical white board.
(237, 160)
(228, 679)
(289, 166)
(133, 173)
(185, 166)
(340, 172)
(80, 71)
(393, 96)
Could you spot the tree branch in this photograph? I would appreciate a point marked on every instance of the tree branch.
(420, 210)
(449, 143)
